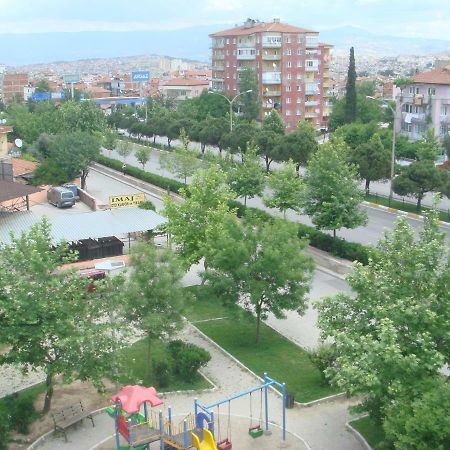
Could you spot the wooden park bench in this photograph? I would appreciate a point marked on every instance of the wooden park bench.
(70, 415)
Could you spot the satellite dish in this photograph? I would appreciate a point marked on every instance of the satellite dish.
(18, 142)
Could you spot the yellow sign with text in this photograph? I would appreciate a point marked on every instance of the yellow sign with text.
(126, 200)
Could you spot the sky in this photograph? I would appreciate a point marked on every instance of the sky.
(410, 18)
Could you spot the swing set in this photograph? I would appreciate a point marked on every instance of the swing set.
(257, 427)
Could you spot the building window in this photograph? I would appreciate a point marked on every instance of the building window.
(299, 64)
(299, 76)
(288, 88)
(288, 100)
(228, 63)
(299, 88)
(234, 75)
(300, 39)
(234, 40)
(406, 127)
(414, 90)
(288, 65)
(228, 41)
(431, 91)
(288, 52)
(299, 51)
(299, 100)
(228, 53)
(288, 112)
(298, 112)
(445, 110)
(287, 39)
(443, 129)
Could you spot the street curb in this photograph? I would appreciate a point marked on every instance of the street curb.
(357, 434)
(401, 213)
(243, 366)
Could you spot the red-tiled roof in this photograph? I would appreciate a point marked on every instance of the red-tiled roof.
(21, 166)
(186, 82)
(433, 77)
(260, 27)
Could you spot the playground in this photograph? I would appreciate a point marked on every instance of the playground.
(139, 420)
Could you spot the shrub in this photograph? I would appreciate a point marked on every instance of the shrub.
(188, 359)
(4, 427)
(20, 412)
(162, 372)
(323, 357)
(147, 205)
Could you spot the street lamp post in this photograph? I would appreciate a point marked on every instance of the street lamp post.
(387, 105)
(231, 103)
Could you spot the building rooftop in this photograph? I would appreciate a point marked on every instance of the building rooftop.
(441, 76)
(251, 27)
(186, 82)
(10, 190)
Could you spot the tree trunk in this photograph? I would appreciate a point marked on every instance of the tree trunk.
(83, 177)
(367, 186)
(284, 214)
(148, 366)
(334, 233)
(258, 324)
(154, 139)
(205, 265)
(266, 159)
(203, 146)
(245, 200)
(143, 166)
(168, 142)
(49, 393)
(419, 202)
(297, 168)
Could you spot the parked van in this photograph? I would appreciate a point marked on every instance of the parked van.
(61, 197)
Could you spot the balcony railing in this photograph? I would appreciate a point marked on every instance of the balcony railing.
(269, 43)
(312, 103)
(218, 57)
(217, 80)
(242, 68)
(246, 44)
(311, 68)
(311, 90)
(445, 119)
(310, 114)
(247, 55)
(272, 93)
(311, 43)
(271, 57)
(219, 68)
(271, 77)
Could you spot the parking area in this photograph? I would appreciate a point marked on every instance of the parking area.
(46, 209)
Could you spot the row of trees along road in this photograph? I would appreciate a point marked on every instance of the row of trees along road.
(54, 321)
(260, 265)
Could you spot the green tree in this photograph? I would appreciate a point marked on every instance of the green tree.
(49, 320)
(446, 145)
(124, 149)
(366, 87)
(286, 189)
(263, 265)
(247, 179)
(50, 172)
(268, 145)
(428, 147)
(393, 332)
(244, 134)
(212, 130)
(203, 106)
(350, 89)
(110, 139)
(332, 195)
(42, 86)
(357, 133)
(205, 205)
(274, 122)
(143, 154)
(417, 179)
(419, 419)
(81, 116)
(372, 160)
(154, 294)
(249, 100)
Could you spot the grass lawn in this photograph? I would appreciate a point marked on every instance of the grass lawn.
(405, 206)
(279, 357)
(372, 432)
(135, 360)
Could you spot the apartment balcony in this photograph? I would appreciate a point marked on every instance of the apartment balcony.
(242, 68)
(272, 94)
(312, 103)
(218, 57)
(311, 43)
(312, 90)
(248, 54)
(445, 119)
(246, 45)
(271, 57)
(271, 43)
(310, 114)
(218, 80)
(328, 104)
(271, 77)
(218, 68)
(311, 69)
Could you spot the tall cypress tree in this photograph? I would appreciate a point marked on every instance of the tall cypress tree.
(350, 96)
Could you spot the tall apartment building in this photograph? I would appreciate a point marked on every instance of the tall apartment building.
(291, 65)
(425, 104)
(13, 85)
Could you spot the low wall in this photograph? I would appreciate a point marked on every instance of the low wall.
(88, 199)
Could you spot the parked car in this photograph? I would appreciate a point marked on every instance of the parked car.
(61, 197)
(74, 188)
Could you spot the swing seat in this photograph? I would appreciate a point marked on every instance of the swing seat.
(255, 431)
(224, 445)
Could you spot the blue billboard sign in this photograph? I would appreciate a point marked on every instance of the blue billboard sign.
(140, 76)
(40, 96)
(58, 95)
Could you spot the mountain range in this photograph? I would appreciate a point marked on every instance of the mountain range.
(188, 43)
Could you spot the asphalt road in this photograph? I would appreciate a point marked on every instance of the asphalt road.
(379, 220)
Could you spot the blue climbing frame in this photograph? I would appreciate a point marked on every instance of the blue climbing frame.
(268, 382)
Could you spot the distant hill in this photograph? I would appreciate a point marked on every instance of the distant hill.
(192, 43)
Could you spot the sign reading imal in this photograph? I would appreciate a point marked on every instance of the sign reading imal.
(126, 200)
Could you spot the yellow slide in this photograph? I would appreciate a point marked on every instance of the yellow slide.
(208, 442)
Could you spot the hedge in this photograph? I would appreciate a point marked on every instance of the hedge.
(336, 246)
